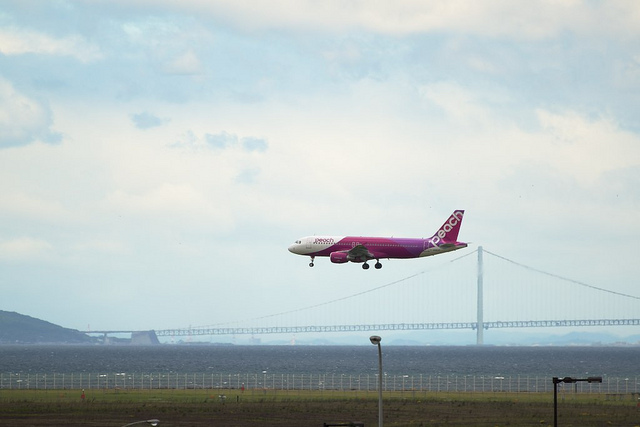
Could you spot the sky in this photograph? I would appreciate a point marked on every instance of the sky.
(157, 158)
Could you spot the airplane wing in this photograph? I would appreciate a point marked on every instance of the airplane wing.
(360, 252)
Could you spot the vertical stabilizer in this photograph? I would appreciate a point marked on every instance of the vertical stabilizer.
(448, 233)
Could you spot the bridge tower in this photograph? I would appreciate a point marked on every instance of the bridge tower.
(480, 313)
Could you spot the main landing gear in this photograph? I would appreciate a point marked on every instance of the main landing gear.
(377, 265)
(311, 263)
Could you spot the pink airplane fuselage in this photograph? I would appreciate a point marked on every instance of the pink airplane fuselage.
(382, 247)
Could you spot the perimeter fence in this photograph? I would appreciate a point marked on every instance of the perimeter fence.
(264, 382)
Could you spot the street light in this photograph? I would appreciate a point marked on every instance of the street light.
(152, 422)
(375, 340)
(570, 380)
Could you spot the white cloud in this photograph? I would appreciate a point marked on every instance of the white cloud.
(493, 18)
(20, 41)
(585, 149)
(23, 119)
(169, 44)
(181, 205)
(460, 105)
(165, 198)
(23, 248)
(21, 205)
(186, 63)
(105, 246)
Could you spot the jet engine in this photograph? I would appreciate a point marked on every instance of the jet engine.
(338, 257)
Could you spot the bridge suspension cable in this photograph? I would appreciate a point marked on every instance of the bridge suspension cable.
(347, 297)
(556, 276)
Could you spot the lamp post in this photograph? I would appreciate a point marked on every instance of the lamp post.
(152, 422)
(568, 380)
(375, 340)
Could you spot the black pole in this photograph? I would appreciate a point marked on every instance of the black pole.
(555, 401)
(568, 380)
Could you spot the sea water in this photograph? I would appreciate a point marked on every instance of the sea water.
(347, 360)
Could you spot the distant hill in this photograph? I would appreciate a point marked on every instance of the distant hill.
(17, 328)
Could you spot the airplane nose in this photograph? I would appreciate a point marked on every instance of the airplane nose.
(292, 249)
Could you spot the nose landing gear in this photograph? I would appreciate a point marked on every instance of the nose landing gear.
(311, 263)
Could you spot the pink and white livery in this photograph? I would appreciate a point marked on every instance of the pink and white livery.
(342, 249)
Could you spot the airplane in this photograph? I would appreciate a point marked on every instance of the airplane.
(341, 249)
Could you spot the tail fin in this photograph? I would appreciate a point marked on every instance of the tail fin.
(448, 233)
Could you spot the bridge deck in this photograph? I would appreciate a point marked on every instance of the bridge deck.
(384, 327)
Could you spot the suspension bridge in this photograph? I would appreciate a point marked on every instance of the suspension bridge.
(477, 291)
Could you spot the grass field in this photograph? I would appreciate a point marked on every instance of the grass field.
(306, 408)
